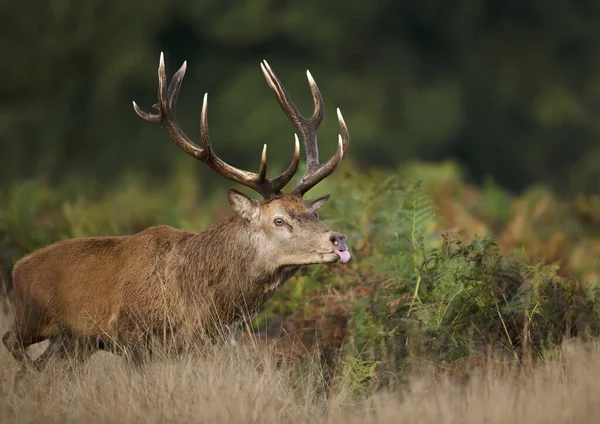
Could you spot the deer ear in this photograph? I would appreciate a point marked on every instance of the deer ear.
(315, 204)
(242, 205)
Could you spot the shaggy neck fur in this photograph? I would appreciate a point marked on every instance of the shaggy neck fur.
(227, 273)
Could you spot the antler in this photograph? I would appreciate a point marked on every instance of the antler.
(167, 99)
(308, 128)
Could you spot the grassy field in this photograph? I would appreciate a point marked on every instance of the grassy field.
(461, 304)
(234, 384)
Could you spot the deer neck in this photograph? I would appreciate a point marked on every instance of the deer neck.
(230, 254)
(224, 274)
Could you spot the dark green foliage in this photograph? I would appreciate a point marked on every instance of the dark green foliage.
(508, 88)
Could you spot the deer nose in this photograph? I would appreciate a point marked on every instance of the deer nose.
(338, 240)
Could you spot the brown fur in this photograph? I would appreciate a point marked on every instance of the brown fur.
(163, 282)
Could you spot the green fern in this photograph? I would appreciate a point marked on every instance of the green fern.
(410, 219)
(356, 376)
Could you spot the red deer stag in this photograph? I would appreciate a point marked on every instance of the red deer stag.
(122, 291)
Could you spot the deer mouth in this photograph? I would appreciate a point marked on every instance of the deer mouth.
(343, 255)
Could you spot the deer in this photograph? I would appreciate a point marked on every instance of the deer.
(116, 293)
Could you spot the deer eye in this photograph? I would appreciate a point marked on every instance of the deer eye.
(278, 221)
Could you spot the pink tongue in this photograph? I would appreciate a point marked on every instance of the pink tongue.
(344, 255)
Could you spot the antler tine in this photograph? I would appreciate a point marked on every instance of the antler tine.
(287, 175)
(258, 182)
(167, 99)
(262, 173)
(308, 127)
(166, 110)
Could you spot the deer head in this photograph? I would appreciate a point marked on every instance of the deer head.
(285, 226)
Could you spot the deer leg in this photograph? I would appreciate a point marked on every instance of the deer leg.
(77, 348)
(66, 346)
(141, 353)
(17, 345)
(137, 348)
(51, 351)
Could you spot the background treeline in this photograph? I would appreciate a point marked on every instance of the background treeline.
(510, 89)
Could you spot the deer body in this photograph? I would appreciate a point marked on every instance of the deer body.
(101, 292)
(118, 287)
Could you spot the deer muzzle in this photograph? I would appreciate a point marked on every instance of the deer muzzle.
(341, 250)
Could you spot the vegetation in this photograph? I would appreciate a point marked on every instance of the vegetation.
(441, 271)
(508, 88)
(449, 283)
(228, 385)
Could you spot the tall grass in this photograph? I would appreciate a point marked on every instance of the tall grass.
(237, 384)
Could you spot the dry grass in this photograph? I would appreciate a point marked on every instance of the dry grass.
(229, 384)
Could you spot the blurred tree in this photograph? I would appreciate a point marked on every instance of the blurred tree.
(509, 88)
